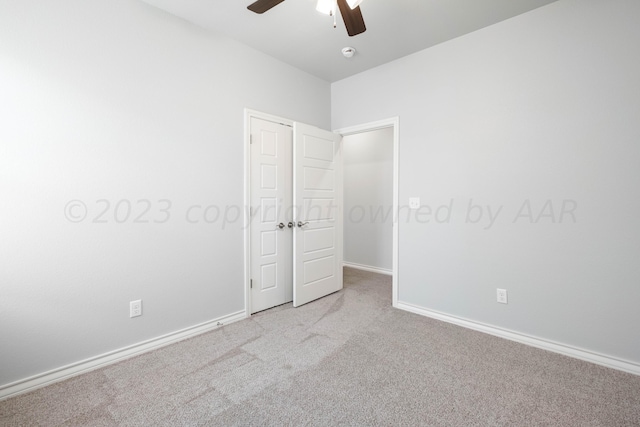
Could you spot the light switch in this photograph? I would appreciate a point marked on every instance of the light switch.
(414, 202)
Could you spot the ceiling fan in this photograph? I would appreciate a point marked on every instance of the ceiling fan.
(349, 9)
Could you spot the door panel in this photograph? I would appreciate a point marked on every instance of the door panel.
(272, 194)
(317, 189)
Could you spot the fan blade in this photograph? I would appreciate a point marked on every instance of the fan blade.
(261, 6)
(353, 19)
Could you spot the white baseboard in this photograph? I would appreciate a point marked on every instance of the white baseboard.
(368, 268)
(578, 353)
(65, 372)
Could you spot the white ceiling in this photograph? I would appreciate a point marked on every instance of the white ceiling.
(295, 33)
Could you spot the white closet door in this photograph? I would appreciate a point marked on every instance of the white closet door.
(271, 201)
(317, 190)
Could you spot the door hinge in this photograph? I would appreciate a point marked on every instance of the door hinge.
(250, 139)
(251, 283)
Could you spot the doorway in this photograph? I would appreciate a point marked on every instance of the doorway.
(368, 200)
(392, 126)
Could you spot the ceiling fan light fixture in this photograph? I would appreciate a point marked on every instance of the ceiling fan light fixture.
(350, 12)
(327, 7)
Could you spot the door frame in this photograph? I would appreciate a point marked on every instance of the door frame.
(393, 122)
(248, 115)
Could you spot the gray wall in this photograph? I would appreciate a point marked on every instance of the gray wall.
(542, 109)
(116, 100)
(368, 198)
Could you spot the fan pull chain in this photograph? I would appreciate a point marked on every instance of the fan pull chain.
(333, 12)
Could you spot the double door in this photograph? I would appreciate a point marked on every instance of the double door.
(295, 213)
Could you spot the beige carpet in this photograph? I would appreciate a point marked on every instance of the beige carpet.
(347, 359)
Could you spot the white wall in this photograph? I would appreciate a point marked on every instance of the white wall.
(116, 100)
(368, 198)
(542, 107)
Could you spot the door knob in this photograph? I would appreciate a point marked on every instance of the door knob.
(290, 225)
(281, 226)
(302, 224)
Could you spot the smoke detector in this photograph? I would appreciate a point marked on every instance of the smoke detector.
(348, 52)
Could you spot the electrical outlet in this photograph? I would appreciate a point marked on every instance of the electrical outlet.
(414, 202)
(135, 308)
(502, 296)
